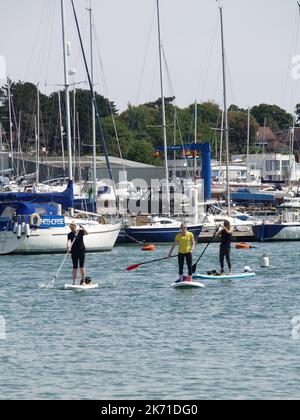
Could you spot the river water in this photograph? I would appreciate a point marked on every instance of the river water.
(137, 338)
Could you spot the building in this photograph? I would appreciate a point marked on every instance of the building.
(272, 166)
(54, 167)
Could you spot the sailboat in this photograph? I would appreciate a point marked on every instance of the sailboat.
(39, 223)
(160, 229)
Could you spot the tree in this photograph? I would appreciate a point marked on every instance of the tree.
(111, 131)
(24, 107)
(276, 117)
(209, 112)
(238, 131)
(141, 151)
(24, 110)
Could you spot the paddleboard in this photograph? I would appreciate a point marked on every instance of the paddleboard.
(81, 287)
(187, 284)
(237, 276)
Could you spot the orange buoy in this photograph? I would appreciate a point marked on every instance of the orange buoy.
(150, 247)
(242, 246)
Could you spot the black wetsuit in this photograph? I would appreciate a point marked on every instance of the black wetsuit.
(225, 249)
(78, 248)
(189, 261)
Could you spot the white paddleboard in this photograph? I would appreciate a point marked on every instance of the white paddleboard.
(187, 284)
(237, 276)
(81, 287)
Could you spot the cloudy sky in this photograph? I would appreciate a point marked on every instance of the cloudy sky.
(262, 37)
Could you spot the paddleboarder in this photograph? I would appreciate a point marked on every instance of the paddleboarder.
(75, 245)
(186, 243)
(225, 233)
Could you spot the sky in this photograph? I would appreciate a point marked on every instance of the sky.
(262, 44)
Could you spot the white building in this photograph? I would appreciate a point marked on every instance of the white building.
(272, 166)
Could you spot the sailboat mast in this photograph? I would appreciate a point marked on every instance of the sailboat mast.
(67, 88)
(1, 148)
(37, 178)
(10, 123)
(195, 140)
(61, 133)
(93, 105)
(225, 112)
(248, 145)
(163, 113)
(94, 99)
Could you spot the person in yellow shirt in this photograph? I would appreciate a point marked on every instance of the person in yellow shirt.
(186, 243)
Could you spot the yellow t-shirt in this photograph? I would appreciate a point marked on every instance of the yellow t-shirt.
(185, 242)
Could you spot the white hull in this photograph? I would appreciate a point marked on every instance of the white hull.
(100, 238)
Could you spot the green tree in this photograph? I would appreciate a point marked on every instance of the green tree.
(24, 110)
(114, 133)
(238, 130)
(141, 151)
(209, 113)
(276, 117)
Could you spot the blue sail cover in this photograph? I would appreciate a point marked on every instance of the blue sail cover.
(64, 198)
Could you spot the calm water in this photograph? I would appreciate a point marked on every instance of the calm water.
(136, 338)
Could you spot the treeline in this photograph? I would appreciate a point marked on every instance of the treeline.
(133, 133)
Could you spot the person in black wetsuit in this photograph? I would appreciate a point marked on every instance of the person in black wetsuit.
(76, 246)
(225, 247)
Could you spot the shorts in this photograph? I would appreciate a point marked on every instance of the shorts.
(78, 259)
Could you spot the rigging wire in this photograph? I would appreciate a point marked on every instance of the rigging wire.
(52, 31)
(93, 95)
(174, 105)
(45, 42)
(151, 29)
(44, 14)
(293, 48)
(210, 50)
(229, 80)
(105, 84)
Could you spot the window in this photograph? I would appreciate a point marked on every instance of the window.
(272, 165)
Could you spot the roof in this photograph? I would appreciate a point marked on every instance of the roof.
(265, 133)
(284, 136)
(101, 162)
(277, 146)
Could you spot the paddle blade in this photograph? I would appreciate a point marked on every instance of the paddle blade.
(132, 267)
(194, 268)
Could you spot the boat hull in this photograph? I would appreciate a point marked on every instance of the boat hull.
(277, 232)
(101, 238)
(153, 234)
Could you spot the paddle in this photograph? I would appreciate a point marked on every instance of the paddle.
(134, 266)
(50, 284)
(194, 266)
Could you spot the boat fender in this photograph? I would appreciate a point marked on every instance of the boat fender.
(15, 227)
(265, 261)
(23, 227)
(35, 219)
(19, 230)
(242, 246)
(150, 247)
(101, 220)
(27, 230)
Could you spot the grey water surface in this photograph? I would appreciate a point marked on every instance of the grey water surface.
(137, 338)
